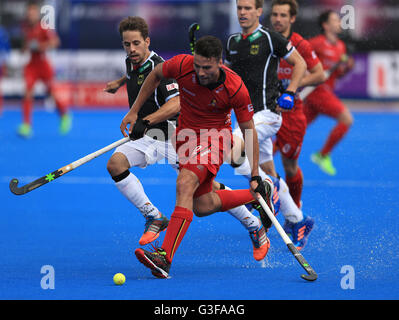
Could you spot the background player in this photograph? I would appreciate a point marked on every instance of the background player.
(39, 40)
(4, 52)
(159, 107)
(208, 92)
(255, 54)
(332, 53)
(290, 136)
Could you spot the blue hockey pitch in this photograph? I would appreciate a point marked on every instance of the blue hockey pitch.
(85, 231)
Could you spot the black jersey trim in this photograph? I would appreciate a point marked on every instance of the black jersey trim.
(237, 90)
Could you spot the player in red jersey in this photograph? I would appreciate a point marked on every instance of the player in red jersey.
(38, 40)
(208, 92)
(332, 53)
(290, 136)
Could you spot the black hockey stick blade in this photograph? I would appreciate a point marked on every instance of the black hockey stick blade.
(191, 35)
(34, 184)
(14, 187)
(311, 274)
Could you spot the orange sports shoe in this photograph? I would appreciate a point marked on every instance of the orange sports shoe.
(153, 226)
(260, 242)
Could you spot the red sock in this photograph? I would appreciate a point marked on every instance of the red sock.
(234, 198)
(295, 184)
(335, 136)
(27, 111)
(62, 108)
(178, 225)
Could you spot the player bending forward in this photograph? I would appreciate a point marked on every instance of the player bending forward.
(208, 92)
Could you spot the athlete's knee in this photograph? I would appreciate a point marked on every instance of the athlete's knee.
(186, 184)
(346, 118)
(117, 164)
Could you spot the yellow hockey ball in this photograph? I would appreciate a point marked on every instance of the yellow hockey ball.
(119, 279)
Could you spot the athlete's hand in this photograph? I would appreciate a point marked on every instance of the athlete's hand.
(112, 86)
(128, 121)
(258, 187)
(139, 129)
(286, 100)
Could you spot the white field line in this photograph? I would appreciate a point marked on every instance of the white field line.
(230, 181)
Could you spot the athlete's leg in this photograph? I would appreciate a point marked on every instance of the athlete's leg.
(131, 188)
(331, 106)
(31, 75)
(47, 75)
(294, 178)
(344, 122)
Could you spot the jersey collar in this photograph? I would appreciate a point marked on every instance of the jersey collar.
(221, 80)
(252, 36)
(140, 68)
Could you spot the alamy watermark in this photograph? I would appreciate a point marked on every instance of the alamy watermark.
(48, 17)
(48, 280)
(348, 17)
(348, 280)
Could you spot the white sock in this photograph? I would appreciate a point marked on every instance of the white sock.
(287, 205)
(133, 190)
(245, 170)
(247, 219)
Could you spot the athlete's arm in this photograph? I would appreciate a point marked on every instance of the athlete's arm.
(251, 145)
(149, 86)
(315, 76)
(298, 71)
(113, 86)
(165, 112)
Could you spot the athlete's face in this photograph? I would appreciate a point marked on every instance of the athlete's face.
(136, 47)
(32, 14)
(248, 15)
(281, 19)
(207, 69)
(333, 24)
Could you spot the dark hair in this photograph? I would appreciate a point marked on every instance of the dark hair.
(323, 18)
(134, 24)
(292, 3)
(209, 47)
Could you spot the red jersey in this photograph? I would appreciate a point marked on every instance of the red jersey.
(205, 107)
(39, 35)
(305, 50)
(329, 54)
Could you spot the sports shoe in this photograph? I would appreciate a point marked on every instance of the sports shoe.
(260, 242)
(264, 218)
(25, 130)
(288, 228)
(324, 163)
(301, 231)
(66, 123)
(155, 260)
(153, 226)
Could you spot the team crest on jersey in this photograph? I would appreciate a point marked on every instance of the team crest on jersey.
(140, 79)
(254, 49)
(213, 103)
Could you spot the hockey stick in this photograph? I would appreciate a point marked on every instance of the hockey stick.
(308, 90)
(58, 173)
(311, 274)
(191, 35)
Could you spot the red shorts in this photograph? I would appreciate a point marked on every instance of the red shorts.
(38, 70)
(322, 101)
(289, 137)
(202, 154)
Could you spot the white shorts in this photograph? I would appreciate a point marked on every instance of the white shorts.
(267, 124)
(147, 151)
